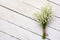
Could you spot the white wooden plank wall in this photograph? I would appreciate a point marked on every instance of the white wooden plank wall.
(17, 21)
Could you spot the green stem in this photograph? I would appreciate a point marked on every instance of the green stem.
(44, 34)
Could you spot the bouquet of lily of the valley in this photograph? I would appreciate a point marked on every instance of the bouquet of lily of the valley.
(44, 18)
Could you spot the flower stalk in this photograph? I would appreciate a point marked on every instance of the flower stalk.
(44, 18)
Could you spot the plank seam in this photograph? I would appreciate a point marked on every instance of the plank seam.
(53, 2)
(10, 35)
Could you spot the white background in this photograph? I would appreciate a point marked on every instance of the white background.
(28, 8)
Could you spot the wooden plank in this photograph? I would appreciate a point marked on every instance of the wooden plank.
(36, 3)
(56, 1)
(6, 37)
(53, 34)
(20, 7)
(17, 32)
(20, 20)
